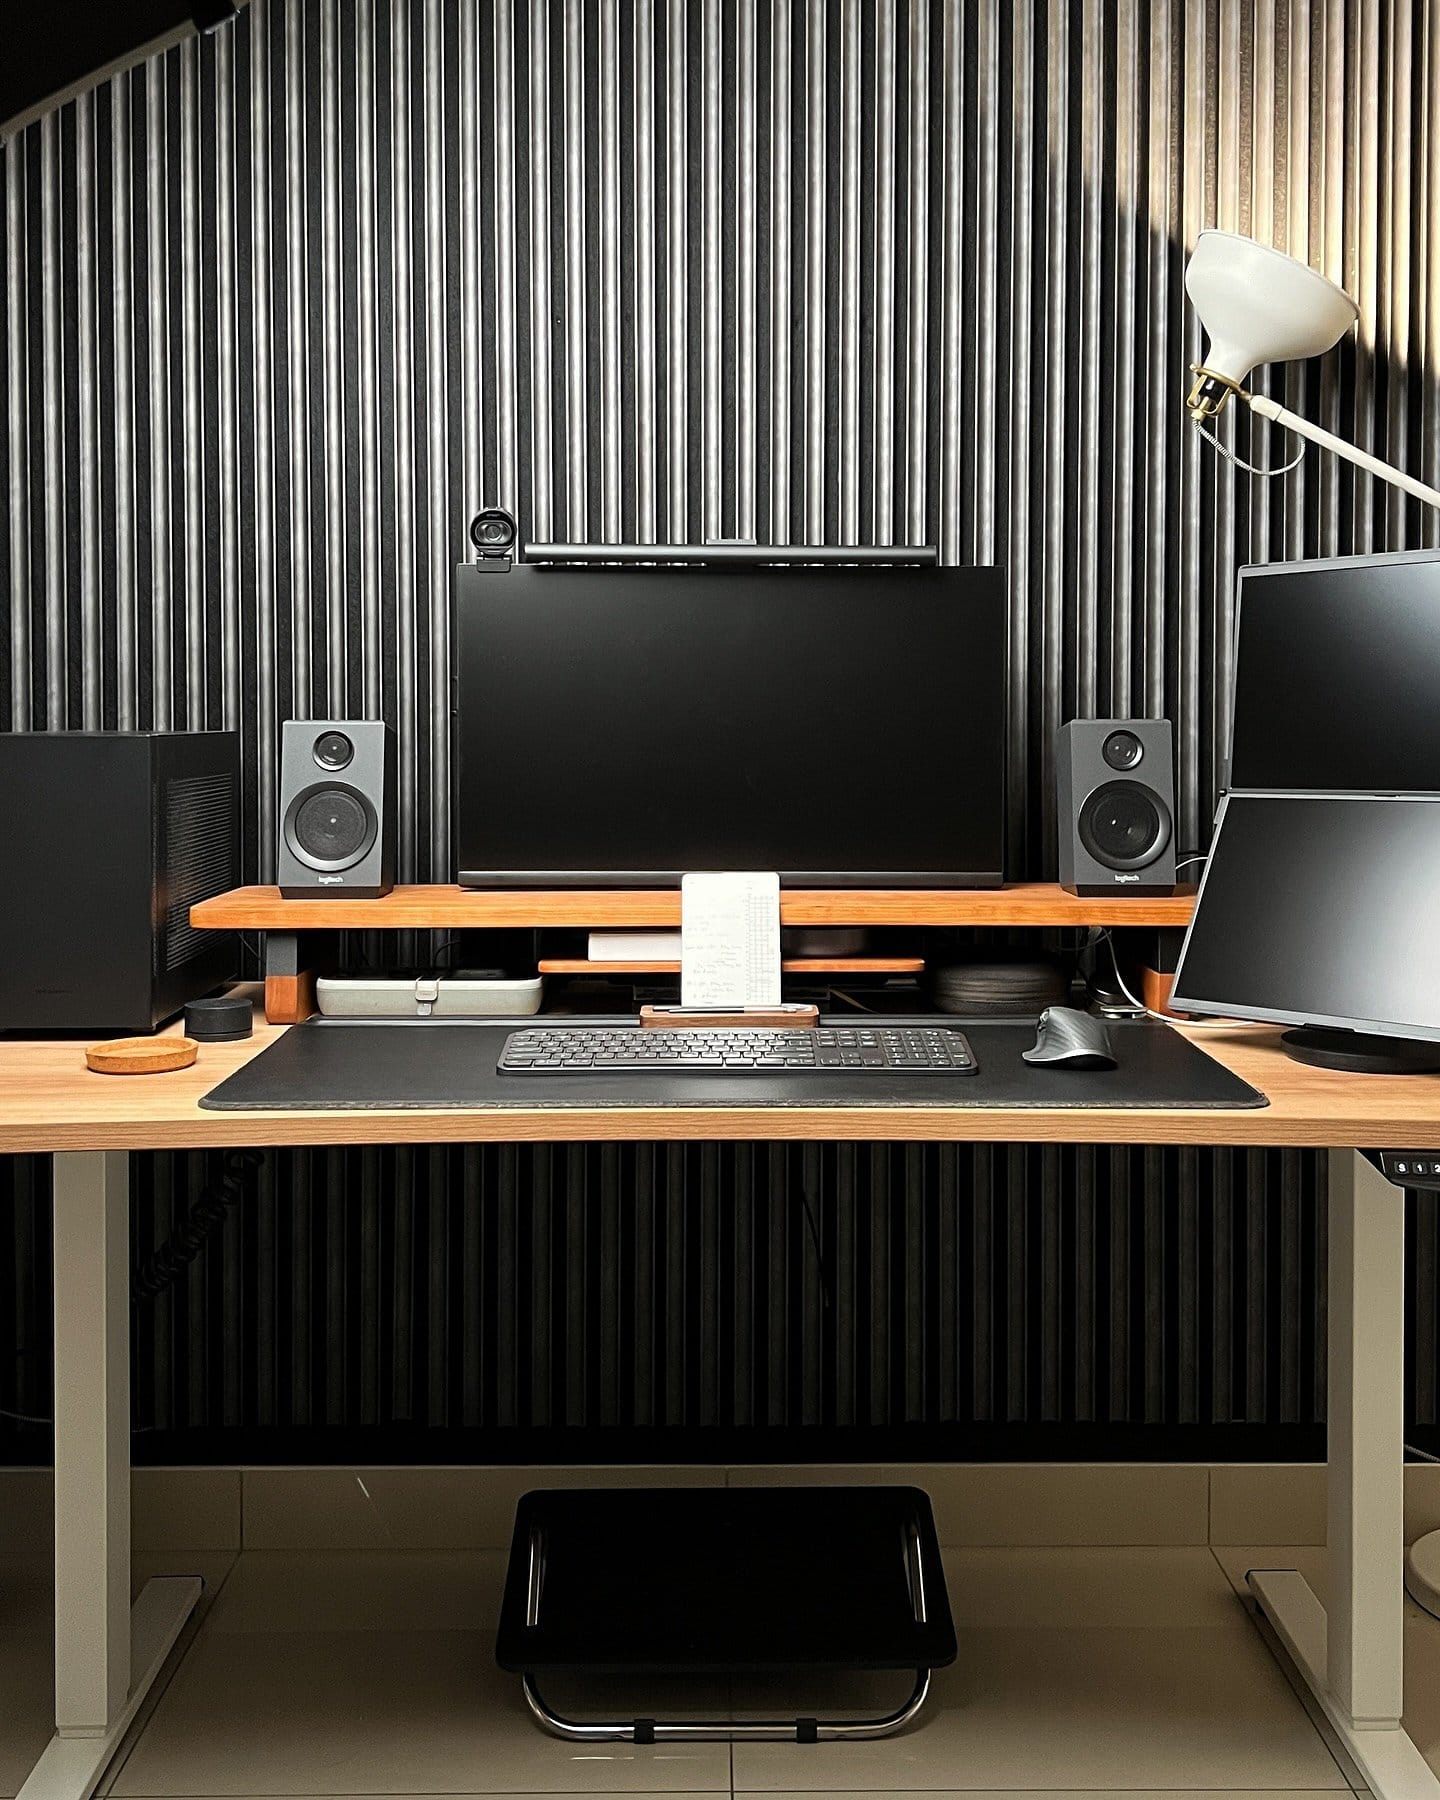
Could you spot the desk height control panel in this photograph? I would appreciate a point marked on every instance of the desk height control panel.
(1411, 1168)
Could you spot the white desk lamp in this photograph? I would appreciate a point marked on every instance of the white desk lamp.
(1259, 305)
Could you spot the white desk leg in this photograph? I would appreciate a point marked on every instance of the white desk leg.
(1366, 1529)
(1353, 1660)
(107, 1654)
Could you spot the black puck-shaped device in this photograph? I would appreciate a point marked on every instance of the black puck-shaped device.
(222, 1019)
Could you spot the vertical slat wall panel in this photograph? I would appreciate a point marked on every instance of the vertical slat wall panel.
(284, 305)
(823, 1285)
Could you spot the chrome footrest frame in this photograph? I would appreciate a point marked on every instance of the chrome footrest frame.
(668, 1731)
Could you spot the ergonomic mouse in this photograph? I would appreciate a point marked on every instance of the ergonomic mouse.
(1068, 1039)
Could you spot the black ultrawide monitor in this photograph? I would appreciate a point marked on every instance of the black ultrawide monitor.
(622, 726)
(1337, 676)
(1319, 910)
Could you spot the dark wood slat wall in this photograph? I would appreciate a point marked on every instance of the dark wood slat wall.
(634, 1287)
(280, 308)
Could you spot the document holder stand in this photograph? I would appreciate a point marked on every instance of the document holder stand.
(726, 1582)
(791, 1015)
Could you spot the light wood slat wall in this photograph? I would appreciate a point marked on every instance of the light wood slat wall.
(283, 306)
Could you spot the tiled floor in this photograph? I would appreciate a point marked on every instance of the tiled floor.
(371, 1673)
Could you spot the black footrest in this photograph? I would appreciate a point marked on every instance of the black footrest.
(725, 1580)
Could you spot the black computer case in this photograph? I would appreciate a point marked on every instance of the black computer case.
(110, 838)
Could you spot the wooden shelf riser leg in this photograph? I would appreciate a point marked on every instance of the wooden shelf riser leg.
(289, 978)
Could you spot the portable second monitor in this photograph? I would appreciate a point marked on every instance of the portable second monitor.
(845, 727)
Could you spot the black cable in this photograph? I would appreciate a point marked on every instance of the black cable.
(26, 1419)
(850, 1000)
(41, 1422)
(249, 946)
(433, 963)
(171, 1259)
(825, 1289)
(186, 1242)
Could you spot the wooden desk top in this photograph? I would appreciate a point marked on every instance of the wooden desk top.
(50, 1101)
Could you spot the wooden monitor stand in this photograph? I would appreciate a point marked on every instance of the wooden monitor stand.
(292, 927)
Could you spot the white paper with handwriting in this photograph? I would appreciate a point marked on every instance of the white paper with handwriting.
(730, 940)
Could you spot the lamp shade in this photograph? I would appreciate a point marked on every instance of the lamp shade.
(1259, 305)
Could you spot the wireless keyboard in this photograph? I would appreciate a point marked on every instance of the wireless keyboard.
(583, 1049)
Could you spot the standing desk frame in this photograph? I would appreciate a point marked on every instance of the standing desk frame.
(108, 1653)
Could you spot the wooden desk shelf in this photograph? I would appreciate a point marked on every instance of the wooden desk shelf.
(289, 983)
(1035, 903)
(790, 965)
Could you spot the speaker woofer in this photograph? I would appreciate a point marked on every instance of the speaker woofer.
(1124, 825)
(330, 826)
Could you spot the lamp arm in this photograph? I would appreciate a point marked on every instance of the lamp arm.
(1281, 415)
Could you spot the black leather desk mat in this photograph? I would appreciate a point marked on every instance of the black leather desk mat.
(387, 1065)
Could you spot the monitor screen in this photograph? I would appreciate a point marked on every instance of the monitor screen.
(1317, 910)
(1335, 669)
(625, 725)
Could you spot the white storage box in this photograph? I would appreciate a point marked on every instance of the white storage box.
(426, 997)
